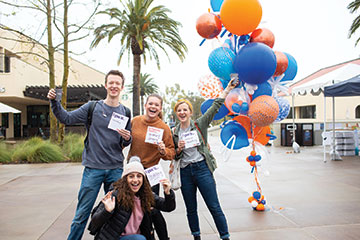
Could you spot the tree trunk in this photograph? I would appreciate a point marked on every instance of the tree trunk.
(51, 52)
(136, 84)
(66, 70)
(142, 104)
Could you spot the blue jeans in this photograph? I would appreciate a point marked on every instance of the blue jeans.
(90, 185)
(198, 176)
(133, 237)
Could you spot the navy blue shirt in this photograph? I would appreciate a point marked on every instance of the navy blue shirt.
(104, 147)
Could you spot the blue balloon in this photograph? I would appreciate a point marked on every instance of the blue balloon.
(257, 195)
(223, 111)
(236, 108)
(291, 70)
(224, 83)
(255, 63)
(244, 108)
(263, 89)
(284, 108)
(216, 5)
(233, 131)
(257, 158)
(221, 62)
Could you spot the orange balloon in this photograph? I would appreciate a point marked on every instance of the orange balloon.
(245, 122)
(260, 207)
(208, 25)
(263, 110)
(240, 16)
(260, 134)
(282, 63)
(250, 199)
(263, 35)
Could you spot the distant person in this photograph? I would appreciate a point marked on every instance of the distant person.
(124, 214)
(197, 164)
(152, 141)
(103, 153)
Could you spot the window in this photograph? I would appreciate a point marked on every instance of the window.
(307, 112)
(7, 64)
(4, 61)
(38, 116)
(357, 112)
(2, 54)
(5, 120)
(289, 116)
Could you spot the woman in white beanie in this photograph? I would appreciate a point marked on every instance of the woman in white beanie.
(124, 213)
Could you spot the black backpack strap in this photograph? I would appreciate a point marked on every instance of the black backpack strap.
(127, 112)
(89, 119)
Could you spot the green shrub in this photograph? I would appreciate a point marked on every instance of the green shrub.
(36, 150)
(5, 153)
(73, 146)
(45, 153)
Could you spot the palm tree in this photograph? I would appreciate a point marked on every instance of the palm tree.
(141, 29)
(147, 87)
(353, 7)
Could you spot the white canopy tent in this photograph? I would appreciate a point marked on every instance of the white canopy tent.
(7, 109)
(317, 85)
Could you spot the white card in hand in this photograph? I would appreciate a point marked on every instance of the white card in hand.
(191, 139)
(155, 174)
(117, 121)
(154, 135)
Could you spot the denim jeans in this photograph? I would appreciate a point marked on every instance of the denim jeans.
(133, 237)
(90, 185)
(198, 176)
(158, 219)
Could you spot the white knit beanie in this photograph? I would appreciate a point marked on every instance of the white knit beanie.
(134, 165)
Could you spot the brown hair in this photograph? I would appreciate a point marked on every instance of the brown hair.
(161, 101)
(125, 196)
(117, 73)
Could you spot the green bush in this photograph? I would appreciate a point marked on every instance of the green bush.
(73, 146)
(5, 153)
(45, 153)
(36, 150)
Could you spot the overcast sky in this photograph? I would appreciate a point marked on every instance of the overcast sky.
(313, 32)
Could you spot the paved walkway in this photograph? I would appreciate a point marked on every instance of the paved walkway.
(307, 199)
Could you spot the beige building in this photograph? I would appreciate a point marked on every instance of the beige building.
(24, 82)
(312, 108)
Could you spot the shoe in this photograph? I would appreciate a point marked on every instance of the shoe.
(197, 238)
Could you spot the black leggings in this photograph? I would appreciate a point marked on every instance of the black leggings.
(158, 219)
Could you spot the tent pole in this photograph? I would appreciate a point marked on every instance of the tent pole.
(334, 154)
(295, 146)
(293, 117)
(324, 132)
(333, 138)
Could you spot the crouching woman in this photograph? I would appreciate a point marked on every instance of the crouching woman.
(124, 213)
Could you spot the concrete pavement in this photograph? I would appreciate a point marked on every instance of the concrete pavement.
(307, 199)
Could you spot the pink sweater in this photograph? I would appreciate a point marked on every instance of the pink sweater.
(133, 225)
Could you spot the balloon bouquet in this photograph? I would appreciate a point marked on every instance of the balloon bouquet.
(253, 104)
